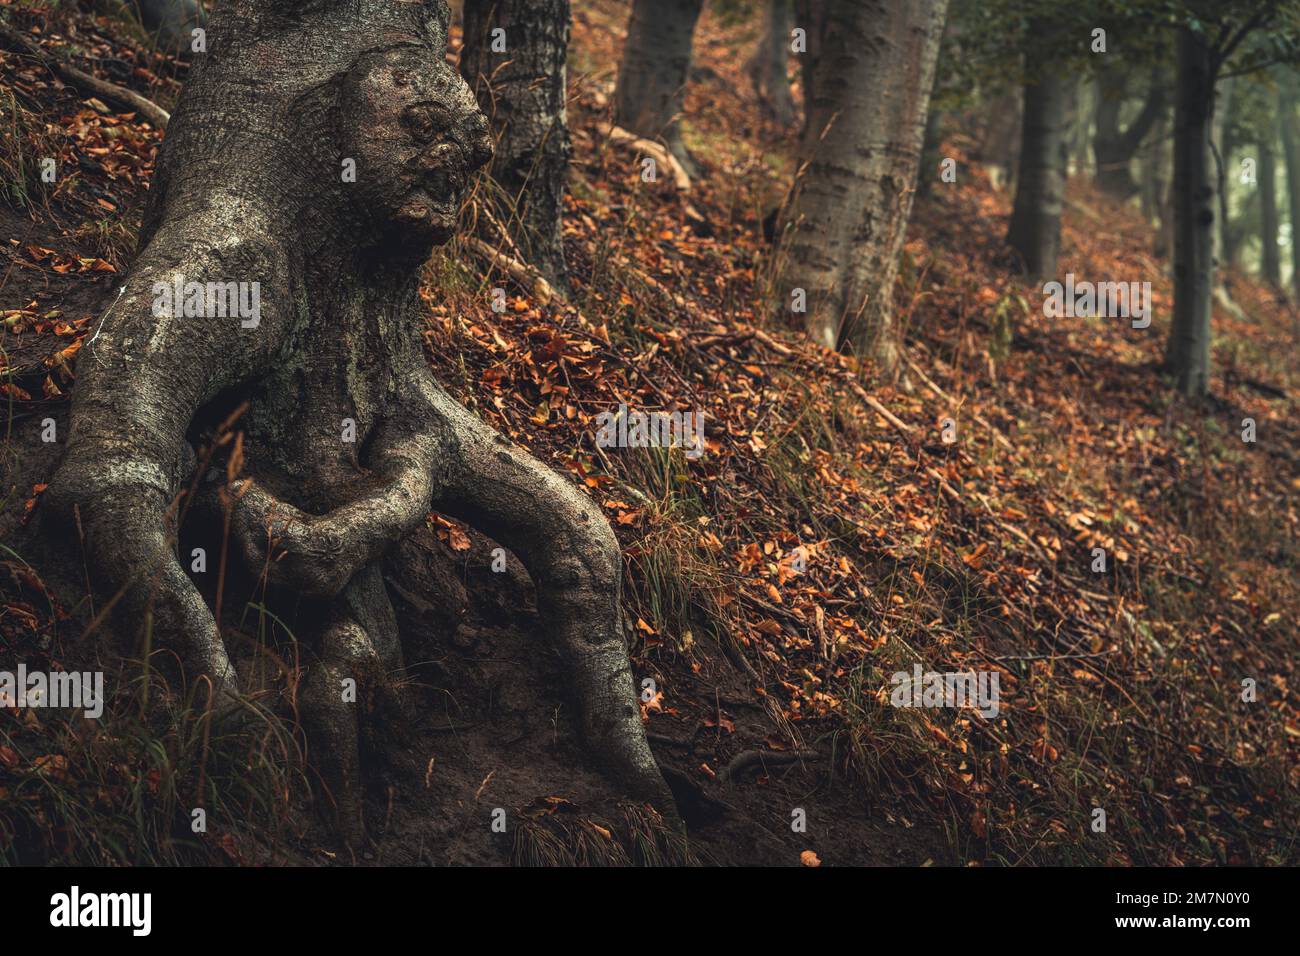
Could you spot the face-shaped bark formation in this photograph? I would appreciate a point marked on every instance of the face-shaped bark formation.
(425, 136)
(347, 437)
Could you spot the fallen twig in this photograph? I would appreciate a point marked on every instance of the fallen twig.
(879, 409)
(655, 151)
(749, 758)
(151, 111)
(522, 273)
(1051, 657)
(940, 393)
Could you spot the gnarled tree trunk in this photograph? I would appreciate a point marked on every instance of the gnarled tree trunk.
(518, 76)
(652, 76)
(845, 219)
(347, 438)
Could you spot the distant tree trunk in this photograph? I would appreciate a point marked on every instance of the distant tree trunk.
(1187, 352)
(843, 224)
(1291, 155)
(1150, 185)
(1078, 125)
(1160, 197)
(652, 76)
(1114, 148)
(170, 21)
(1221, 155)
(1035, 231)
(1271, 264)
(807, 14)
(930, 146)
(521, 87)
(769, 67)
(1000, 145)
(929, 171)
(1155, 154)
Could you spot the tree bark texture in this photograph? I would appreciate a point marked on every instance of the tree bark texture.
(845, 219)
(522, 89)
(347, 438)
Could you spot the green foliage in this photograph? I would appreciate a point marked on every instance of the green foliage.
(994, 42)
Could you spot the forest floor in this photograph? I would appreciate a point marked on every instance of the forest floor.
(828, 538)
